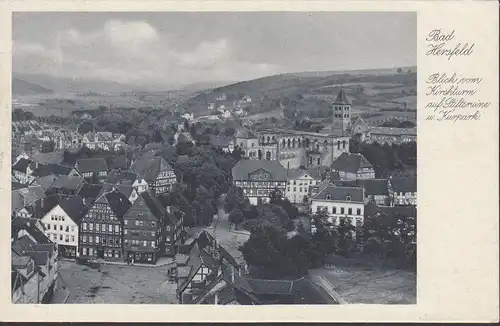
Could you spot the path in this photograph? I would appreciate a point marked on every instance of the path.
(327, 286)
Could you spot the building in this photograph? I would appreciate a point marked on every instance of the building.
(143, 239)
(116, 177)
(352, 167)
(259, 178)
(402, 191)
(295, 148)
(299, 184)
(23, 199)
(158, 174)
(376, 191)
(402, 218)
(173, 230)
(103, 140)
(65, 185)
(125, 188)
(366, 133)
(34, 265)
(94, 170)
(222, 142)
(61, 219)
(101, 228)
(340, 202)
(20, 170)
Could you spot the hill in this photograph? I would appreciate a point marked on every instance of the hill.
(22, 87)
(310, 92)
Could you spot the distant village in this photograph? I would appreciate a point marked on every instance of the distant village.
(117, 208)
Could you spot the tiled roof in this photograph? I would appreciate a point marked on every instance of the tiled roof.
(30, 194)
(150, 167)
(90, 190)
(49, 169)
(404, 184)
(340, 194)
(68, 182)
(117, 162)
(117, 176)
(125, 189)
(350, 162)
(40, 257)
(48, 158)
(45, 182)
(73, 206)
(118, 203)
(245, 133)
(23, 244)
(21, 165)
(243, 168)
(153, 204)
(342, 98)
(295, 174)
(374, 186)
(97, 164)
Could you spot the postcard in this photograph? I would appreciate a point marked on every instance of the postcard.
(249, 161)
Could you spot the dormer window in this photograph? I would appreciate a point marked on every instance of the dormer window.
(348, 198)
(328, 197)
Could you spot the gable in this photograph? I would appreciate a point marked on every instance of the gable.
(57, 210)
(260, 174)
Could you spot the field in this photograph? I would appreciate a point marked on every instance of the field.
(117, 284)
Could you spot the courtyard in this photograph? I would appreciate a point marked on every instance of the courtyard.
(120, 284)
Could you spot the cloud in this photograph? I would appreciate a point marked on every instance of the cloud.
(134, 52)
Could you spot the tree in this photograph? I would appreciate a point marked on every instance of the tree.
(236, 217)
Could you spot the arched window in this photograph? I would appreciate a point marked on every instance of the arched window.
(338, 144)
(343, 144)
(299, 143)
(260, 154)
(268, 155)
(289, 143)
(268, 139)
(319, 161)
(325, 143)
(293, 143)
(307, 142)
(283, 143)
(317, 146)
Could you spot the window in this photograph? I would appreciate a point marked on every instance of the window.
(96, 239)
(72, 229)
(91, 226)
(60, 227)
(125, 222)
(349, 211)
(117, 254)
(342, 210)
(117, 228)
(288, 189)
(145, 243)
(294, 189)
(153, 233)
(300, 189)
(358, 211)
(168, 227)
(153, 224)
(60, 236)
(153, 244)
(110, 228)
(334, 210)
(328, 197)
(72, 238)
(136, 222)
(97, 227)
(84, 239)
(67, 228)
(91, 252)
(47, 226)
(84, 251)
(168, 238)
(140, 213)
(91, 239)
(294, 182)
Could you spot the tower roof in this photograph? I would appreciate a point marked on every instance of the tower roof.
(342, 98)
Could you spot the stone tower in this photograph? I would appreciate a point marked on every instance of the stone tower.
(342, 112)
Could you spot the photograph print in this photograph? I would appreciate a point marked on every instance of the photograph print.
(220, 158)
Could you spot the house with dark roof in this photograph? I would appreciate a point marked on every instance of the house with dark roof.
(200, 266)
(89, 193)
(125, 188)
(126, 177)
(21, 172)
(61, 220)
(259, 178)
(101, 228)
(300, 183)
(158, 174)
(403, 190)
(94, 170)
(67, 185)
(390, 135)
(376, 191)
(340, 202)
(22, 200)
(226, 144)
(353, 166)
(33, 252)
(143, 239)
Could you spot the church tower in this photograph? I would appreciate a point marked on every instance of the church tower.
(342, 112)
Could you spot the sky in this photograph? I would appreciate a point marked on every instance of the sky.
(179, 48)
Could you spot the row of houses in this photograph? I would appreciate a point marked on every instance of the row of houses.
(34, 268)
(339, 197)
